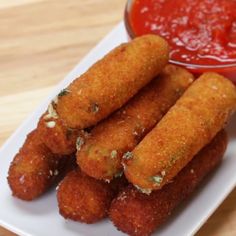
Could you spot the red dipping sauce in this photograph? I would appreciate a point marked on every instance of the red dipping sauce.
(201, 33)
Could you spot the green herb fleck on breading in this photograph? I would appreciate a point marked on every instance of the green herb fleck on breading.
(128, 156)
(157, 179)
(146, 191)
(113, 154)
(63, 92)
(79, 143)
(94, 108)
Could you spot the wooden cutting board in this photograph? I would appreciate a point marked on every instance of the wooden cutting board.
(40, 42)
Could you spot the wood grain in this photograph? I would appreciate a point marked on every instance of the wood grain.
(12, 3)
(41, 41)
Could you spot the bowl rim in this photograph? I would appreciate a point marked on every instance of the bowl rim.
(185, 64)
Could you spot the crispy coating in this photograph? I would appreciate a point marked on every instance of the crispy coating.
(188, 126)
(112, 81)
(101, 155)
(139, 214)
(56, 135)
(34, 169)
(85, 199)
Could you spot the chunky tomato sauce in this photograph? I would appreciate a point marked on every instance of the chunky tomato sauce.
(201, 32)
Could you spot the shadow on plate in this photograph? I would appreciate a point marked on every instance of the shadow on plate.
(104, 227)
(38, 206)
(231, 127)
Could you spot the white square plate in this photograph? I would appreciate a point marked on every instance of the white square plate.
(41, 217)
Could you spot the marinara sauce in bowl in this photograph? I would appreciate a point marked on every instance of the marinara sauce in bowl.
(201, 33)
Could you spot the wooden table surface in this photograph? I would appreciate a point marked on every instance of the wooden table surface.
(40, 42)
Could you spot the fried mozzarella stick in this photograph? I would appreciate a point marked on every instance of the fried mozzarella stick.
(85, 199)
(101, 155)
(34, 169)
(139, 214)
(187, 127)
(56, 135)
(112, 81)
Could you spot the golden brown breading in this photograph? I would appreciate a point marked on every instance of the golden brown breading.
(56, 135)
(34, 169)
(85, 199)
(188, 126)
(139, 214)
(112, 81)
(101, 155)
